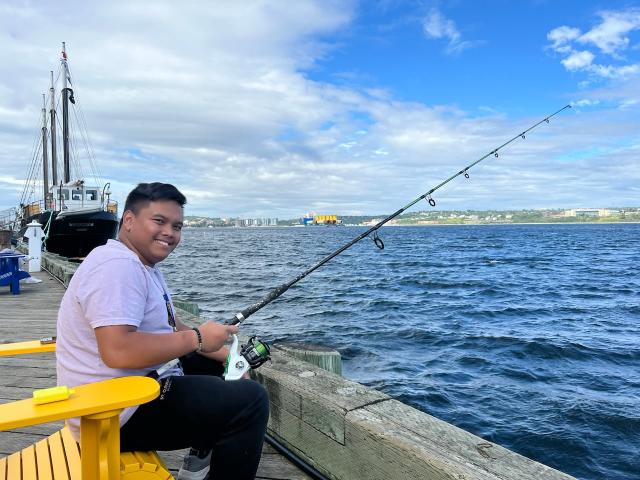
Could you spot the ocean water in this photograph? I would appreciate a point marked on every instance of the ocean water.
(526, 335)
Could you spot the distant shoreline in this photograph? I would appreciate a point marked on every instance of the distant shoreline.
(494, 223)
(435, 217)
(413, 225)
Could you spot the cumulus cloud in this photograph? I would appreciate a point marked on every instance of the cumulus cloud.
(561, 36)
(611, 35)
(611, 39)
(437, 26)
(578, 60)
(585, 102)
(611, 71)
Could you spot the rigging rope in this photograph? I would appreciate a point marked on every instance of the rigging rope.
(83, 129)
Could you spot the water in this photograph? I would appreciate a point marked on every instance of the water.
(526, 335)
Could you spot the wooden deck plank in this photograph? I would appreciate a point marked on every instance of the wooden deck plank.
(32, 315)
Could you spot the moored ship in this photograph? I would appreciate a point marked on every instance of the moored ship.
(76, 215)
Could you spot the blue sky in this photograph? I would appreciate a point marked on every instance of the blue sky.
(497, 55)
(280, 108)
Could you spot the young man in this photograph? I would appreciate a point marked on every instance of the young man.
(116, 319)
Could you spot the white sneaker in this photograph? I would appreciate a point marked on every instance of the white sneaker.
(195, 465)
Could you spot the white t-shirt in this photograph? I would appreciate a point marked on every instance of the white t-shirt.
(111, 287)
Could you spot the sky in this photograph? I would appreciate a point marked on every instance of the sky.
(279, 108)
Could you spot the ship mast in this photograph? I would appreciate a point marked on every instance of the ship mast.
(54, 153)
(45, 162)
(65, 115)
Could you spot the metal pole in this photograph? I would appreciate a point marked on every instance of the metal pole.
(45, 161)
(65, 116)
(54, 153)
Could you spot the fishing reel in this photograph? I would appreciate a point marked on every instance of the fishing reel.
(241, 358)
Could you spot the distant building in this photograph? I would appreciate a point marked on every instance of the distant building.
(590, 212)
(372, 222)
(256, 222)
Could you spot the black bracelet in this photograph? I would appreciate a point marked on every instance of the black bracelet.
(195, 329)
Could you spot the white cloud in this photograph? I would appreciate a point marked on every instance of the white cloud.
(611, 71)
(578, 60)
(610, 37)
(437, 26)
(561, 36)
(629, 104)
(585, 102)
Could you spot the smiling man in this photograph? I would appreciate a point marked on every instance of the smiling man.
(117, 319)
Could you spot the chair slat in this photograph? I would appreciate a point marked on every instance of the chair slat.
(29, 467)
(3, 468)
(72, 451)
(148, 462)
(43, 460)
(159, 467)
(58, 457)
(14, 470)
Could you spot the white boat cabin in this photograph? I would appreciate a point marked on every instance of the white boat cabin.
(75, 196)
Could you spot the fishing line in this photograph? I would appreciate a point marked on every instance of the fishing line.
(427, 196)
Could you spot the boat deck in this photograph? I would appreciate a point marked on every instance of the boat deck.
(32, 315)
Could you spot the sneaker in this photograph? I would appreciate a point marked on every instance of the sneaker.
(195, 465)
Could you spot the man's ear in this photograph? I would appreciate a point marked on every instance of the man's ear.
(128, 217)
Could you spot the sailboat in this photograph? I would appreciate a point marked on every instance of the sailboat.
(76, 215)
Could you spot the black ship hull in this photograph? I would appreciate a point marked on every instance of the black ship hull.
(76, 234)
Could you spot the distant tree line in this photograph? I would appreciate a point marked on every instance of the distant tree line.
(452, 217)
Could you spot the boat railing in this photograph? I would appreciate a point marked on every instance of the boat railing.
(33, 208)
(8, 219)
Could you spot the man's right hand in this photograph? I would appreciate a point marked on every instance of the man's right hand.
(215, 335)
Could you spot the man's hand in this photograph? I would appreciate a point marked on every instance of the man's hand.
(215, 335)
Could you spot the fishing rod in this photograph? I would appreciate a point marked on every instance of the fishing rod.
(255, 352)
(278, 291)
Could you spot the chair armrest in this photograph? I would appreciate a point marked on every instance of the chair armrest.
(32, 346)
(104, 396)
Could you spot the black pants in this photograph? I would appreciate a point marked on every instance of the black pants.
(203, 411)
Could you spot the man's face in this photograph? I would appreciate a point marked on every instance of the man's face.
(154, 232)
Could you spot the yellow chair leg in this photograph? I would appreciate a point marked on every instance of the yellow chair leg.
(100, 445)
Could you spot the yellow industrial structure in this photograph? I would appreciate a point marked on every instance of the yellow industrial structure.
(325, 219)
(313, 219)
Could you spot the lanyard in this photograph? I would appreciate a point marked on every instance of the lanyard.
(170, 317)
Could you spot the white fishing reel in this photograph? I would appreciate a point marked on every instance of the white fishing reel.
(241, 358)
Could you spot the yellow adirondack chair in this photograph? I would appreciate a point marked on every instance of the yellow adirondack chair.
(98, 456)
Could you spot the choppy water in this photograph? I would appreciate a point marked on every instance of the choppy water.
(527, 335)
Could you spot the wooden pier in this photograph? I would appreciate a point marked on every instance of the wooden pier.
(32, 315)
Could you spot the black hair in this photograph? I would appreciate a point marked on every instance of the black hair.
(145, 193)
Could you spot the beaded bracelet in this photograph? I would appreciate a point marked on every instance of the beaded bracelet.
(197, 330)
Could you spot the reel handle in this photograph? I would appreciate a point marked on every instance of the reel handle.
(243, 357)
